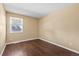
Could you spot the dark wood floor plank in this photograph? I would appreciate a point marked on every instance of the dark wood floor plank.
(36, 47)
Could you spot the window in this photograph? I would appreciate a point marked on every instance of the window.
(16, 25)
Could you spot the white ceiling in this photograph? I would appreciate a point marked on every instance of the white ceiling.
(36, 10)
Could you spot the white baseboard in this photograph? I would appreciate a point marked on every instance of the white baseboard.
(3, 50)
(16, 42)
(43, 40)
(61, 46)
(21, 41)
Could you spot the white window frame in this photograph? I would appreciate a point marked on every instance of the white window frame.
(11, 22)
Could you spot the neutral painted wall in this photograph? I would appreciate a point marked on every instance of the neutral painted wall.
(29, 32)
(2, 28)
(62, 27)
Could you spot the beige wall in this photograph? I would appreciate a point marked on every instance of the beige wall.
(29, 32)
(2, 28)
(62, 27)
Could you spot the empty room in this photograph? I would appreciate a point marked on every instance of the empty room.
(39, 29)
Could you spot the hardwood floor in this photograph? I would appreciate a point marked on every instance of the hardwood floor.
(36, 47)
